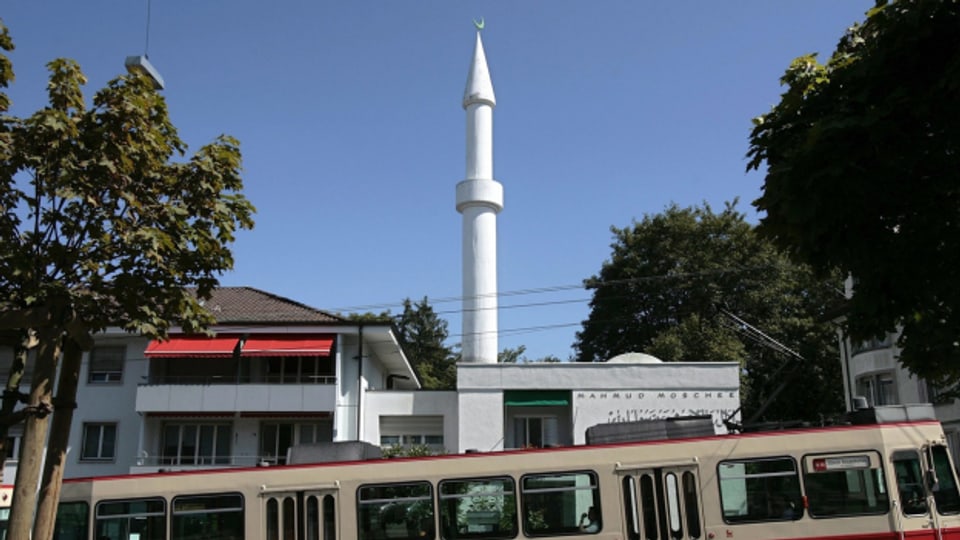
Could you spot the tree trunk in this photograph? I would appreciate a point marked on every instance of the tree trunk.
(11, 394)
(59, 440)
(34, 434)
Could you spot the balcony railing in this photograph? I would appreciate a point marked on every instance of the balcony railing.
(207, 380)
(206, 462)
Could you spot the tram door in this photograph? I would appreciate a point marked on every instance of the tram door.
(301, 515)
(662, 503)
(929, 499)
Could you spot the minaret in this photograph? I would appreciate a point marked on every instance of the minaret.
(479, 199)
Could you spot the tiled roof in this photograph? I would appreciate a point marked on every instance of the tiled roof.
(232, 305)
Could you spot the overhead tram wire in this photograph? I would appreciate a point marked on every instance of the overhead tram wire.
(592, 284)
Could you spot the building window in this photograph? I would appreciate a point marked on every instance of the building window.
(14, 447)
(873, 344)
(878, 388)
(433, 442)
(99, 442)
(536, 431)
(196, 444)
(300, 370)
(277, 437)
(106, 364)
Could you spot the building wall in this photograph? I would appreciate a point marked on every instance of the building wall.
(876, 361)
(110, 402)
(600, 393)
(481, 415)
(414, 404)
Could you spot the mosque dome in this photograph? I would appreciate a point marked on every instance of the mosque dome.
(634, 358)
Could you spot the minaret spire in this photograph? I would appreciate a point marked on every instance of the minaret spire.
(479, 200)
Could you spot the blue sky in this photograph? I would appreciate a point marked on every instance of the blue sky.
(352, 131)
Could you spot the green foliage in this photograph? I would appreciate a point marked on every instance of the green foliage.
(516, 356)
(109, 220)
(512, 356)
(422, 335)
(413, 450)
(382, 317)
(862, 160)
(101, 225)
(668, 275)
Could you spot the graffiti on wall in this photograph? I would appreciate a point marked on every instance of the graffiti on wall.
(596, 406)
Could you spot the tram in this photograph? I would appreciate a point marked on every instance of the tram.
(886, 474)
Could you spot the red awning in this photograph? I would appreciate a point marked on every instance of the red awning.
(287, 345)
(193, 347)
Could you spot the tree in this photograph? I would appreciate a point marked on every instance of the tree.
(423, 334)
(666, 282)
(862, 160)
(512, 356)
(516, 356)
(100, 226)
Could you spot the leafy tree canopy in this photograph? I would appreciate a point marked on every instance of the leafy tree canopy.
(669, 274)
(96, 212)
(423, 334)
(103, 222)
(862, 160)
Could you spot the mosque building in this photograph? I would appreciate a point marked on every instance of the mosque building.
(279, 373)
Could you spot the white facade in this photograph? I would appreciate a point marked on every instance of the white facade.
(597, 393)
(159, 422)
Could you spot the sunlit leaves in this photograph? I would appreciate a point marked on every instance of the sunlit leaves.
(863, 174)
(96, 205)
(670, 274)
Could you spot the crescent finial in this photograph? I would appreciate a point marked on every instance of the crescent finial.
(479, 25)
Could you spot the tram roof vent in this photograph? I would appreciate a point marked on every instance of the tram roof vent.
(326, 452)
(680, 427)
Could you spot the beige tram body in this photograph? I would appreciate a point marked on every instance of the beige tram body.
(705, 487)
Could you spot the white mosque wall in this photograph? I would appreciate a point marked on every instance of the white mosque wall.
(598, 376)
(600, 393)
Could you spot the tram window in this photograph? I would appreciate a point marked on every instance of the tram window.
(845, 484)
(207, 517)
(766, 489)
(135, 518)
(273, 519)
(630, 508)
(907, 467)
(673, 500)
(691, 500)
(648, 502)
(945, 492)
(289, 519)
(555, 503)
(313, 519)
(329, 518)
(478, 508)
(71, 522)
(395, 511)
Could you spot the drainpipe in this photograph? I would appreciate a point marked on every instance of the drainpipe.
(844, 345)
(360, 380)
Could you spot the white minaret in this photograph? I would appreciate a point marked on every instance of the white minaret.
(479, 199)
